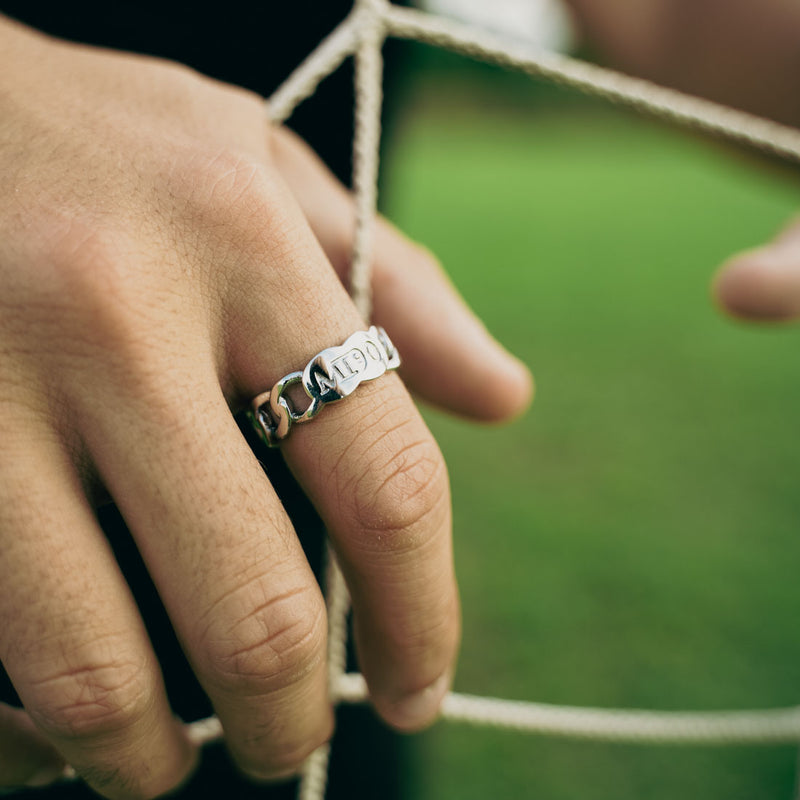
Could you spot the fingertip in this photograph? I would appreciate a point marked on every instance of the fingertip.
(761, 285)
(288, 765)
(450, 359)
(512, 391)
(416, 711)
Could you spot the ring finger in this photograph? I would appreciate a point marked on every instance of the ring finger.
(375, 474)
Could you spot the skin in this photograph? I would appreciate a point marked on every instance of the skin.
(165, 255)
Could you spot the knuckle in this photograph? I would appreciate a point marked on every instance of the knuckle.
(83, 253)
(72, 258)
(226, 177)
(94, 700)
(403, 491)
(247, 209)
(267, 647)
(92, 302)
(224, 184)
(88, 285)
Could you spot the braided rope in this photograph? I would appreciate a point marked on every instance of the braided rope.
(374, 19)
(644, 96)
(781, 725)
(302, 83)
(636, 726)
(362, 34)
(366, 149)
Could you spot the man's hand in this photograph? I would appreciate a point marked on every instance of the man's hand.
(157, 269)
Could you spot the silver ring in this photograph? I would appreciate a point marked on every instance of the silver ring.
(330, 376)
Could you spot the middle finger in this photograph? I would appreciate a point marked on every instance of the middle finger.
(375, 474)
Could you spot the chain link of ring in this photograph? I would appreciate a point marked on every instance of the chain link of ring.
(273, 413)
(330, 376)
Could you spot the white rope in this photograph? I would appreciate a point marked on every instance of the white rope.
(324, 60)
(366, 152)
(642, 95)
(362, 34)
(366, 148)
(204, 731)
(314, 775)
(636, 726)
(770, 726)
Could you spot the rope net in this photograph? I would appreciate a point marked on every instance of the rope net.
(362, 35)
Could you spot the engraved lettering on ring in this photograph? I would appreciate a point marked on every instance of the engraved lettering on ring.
(331, 375)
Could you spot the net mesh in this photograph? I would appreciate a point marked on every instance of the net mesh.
(362, 35)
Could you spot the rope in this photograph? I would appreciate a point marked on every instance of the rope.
(374, 19)
(634, 726)
(362, 34)
(668, 104)
(204, 731)
(644, 96)
(366, 151)
(324, 60)
(314, 776)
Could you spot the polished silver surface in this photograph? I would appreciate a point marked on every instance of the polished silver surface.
(330, 376)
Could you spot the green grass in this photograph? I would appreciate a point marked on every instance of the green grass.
(635, 539)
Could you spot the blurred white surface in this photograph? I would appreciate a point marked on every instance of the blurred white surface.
(544, 24)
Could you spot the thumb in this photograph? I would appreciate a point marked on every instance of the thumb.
(763, 284)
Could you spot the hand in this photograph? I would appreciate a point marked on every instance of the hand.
(158, 269)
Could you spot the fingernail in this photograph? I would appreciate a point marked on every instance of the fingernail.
(422, 708)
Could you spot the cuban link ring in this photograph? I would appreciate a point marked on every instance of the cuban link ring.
(330, 376)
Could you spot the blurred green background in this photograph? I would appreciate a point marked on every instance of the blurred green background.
(634, 540)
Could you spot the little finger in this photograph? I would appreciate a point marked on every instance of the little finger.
(71, 638)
